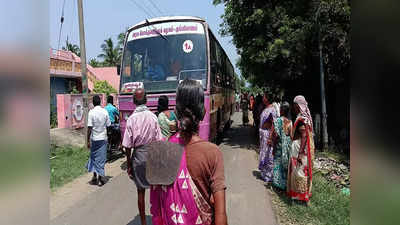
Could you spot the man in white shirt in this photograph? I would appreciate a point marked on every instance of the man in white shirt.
(98, 121)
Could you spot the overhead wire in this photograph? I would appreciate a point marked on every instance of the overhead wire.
(142, 8)
(155, 6)
(149, 9)
(58, 44)
(62, 21)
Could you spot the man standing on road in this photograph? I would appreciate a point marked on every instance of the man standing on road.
(141, 129)
(113, 113)
(98, 121)
(112, 110)
(244, 102)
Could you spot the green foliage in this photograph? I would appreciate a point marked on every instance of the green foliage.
(53, 120)
(74, 90)
(111, 55)
(72, 48)
(66, 163)
(94, 63)
(53, 117)
(279, 40)
(103, 87)
(121, 39)
(255, 89)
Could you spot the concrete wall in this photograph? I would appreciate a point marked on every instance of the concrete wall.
(60, 85)
(70, 109)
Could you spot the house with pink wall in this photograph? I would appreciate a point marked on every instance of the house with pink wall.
(65, 75)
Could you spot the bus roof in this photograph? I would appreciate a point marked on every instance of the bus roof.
(165, 19)
(175, 18)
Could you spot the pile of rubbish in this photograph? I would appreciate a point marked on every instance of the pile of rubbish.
(336, 172)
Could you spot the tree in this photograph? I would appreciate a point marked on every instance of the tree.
(93, 62)
(72, 48)
(110, 55)
(103, 87)
(283, 41)
(280, 38)
(121, 39)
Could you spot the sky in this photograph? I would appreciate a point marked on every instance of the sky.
(108, 18)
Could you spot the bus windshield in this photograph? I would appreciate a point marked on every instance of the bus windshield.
(160, 56)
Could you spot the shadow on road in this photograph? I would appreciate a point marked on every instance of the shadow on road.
(114, 155)
(239, 136)
(257, 174)
(107, 179)
(282, 195)
(136, 220)
(124, 166)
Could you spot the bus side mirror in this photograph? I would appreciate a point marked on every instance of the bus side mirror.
(118, 69)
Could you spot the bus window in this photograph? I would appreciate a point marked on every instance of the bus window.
(138, 63)
(126, 72)
(213, 60)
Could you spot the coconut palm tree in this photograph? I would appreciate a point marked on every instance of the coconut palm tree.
(110, 55)
(72, 48)
(121, 39)
(93, 62)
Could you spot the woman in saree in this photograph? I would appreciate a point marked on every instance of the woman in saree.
(299, 181)
(244, 103)
(166, 118)
(266, 158)
(258, 108)
(196, 193)
(252, 101)
(282, 142)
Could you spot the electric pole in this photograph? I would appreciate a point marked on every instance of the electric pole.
(83, 67)
(322, 86)
(323, 101)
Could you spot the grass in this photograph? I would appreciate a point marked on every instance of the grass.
(327, 205)
(66, 163)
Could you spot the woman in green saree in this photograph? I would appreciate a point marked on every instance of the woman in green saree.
(282, 142)
(166, 118)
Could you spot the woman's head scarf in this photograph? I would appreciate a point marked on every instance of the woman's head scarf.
(304, 111)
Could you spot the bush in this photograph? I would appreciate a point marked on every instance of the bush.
(53, 118)
(103, 87)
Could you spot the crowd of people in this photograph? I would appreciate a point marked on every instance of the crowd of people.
(185, 174)
(286, 148)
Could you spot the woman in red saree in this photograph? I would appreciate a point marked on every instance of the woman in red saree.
(299, 181)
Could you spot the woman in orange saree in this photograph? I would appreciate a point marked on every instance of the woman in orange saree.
(299, 181)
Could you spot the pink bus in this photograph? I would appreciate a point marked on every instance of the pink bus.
(159, 53)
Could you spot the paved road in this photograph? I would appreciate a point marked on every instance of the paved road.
(248, 202)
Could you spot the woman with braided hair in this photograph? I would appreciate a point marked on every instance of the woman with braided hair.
(196, 194)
